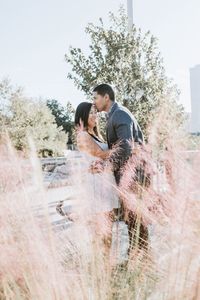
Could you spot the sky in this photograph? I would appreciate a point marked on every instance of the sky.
(36, 34)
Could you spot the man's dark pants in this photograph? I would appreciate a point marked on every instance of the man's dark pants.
(137, 231)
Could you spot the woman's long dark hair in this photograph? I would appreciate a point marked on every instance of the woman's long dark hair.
(82, 114)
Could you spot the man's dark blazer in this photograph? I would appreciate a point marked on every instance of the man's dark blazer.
(122, 129)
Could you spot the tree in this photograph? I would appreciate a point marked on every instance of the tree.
(64, 116)
(194, 142)
(7, 93)
(22, 118)
(128, 60)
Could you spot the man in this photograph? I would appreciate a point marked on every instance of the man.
(122, 129)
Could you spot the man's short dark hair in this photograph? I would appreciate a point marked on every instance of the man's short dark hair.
(103, 89)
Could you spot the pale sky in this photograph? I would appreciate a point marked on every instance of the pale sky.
(36, 34)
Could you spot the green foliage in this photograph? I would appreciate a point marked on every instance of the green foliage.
(22, 118)
(194, 142)
(168, 125)
(128, 60)
(7, 93)
(64, 116)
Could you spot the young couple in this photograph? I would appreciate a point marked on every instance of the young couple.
(122, 130)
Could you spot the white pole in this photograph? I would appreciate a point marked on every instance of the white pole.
(130, 13)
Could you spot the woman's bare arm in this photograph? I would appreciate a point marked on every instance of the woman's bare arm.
(87, 144)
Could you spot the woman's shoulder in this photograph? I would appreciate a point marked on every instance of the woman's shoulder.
(83, 135)
(83, 140)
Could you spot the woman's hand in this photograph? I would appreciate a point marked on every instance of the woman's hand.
(97, 166)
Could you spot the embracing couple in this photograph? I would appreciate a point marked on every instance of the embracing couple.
(108, 158)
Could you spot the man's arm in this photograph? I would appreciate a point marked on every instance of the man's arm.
(123, 126)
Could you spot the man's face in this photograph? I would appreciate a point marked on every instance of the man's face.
(100, 102)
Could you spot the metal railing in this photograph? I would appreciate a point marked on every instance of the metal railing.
(53, 160)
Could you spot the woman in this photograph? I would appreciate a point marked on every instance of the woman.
(102, 196)
(89, 139)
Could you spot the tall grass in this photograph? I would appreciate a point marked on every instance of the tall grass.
(37, 262)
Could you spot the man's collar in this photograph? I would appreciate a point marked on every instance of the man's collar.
(112, 108)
